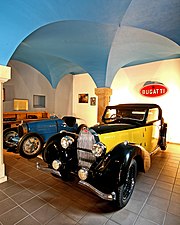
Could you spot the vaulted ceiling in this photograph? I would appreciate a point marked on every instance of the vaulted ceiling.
(98, 37)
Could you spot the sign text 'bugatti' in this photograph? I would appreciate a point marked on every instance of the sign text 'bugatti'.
(154, 90)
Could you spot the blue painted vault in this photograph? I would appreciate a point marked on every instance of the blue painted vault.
(59, 37)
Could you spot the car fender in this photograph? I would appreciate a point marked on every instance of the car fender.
(57, 137)
(114, 166)
(53, 145)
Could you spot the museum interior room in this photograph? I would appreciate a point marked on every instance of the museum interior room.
(64, 61)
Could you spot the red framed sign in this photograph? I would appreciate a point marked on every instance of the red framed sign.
(153, 90)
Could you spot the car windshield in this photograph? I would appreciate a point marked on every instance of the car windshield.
(133, 114)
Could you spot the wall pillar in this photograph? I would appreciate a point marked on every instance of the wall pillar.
(4, 76)
(103, 100)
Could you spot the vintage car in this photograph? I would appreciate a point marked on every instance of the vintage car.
(107, 156)
(28, 138)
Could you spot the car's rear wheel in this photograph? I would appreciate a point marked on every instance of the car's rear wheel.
(125, 190)
(8, 135)
(163, 144)
(30, 145)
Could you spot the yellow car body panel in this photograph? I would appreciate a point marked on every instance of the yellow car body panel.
(146, 136)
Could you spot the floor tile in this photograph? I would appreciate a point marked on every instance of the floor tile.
(162, 193)
(158, 202)
(124, 217)
(175, 198)
(141, 186)
(176, 189)
(110, 222)
(60, 202)
(34, 197)
(177, 181)
(12, 216)
(92, 218)
(172, 220)
(75, 211)
(33, 204)
(22, 196)
(45, 213)
(164, 185)
(7, 204)
(174, 208)
(28, 221)
(166, 178)
(139, 195)
(14, 189)
(143, 221)
(62, 219)
(153, 214)
(134, 205)
(3, 196)
(7, 184)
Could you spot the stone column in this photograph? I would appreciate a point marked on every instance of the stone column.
(103, 100)
(4, 76)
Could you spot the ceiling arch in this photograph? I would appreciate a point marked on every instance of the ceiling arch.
(99, 37)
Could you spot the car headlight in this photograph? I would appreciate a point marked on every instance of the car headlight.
(66, 141)
(98, 149)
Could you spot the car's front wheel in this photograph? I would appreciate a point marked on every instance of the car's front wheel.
(30, 145)
(125, 190)
(8, 135)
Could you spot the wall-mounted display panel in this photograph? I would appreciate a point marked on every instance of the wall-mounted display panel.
(20, 104)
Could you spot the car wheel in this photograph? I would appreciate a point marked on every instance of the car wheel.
(8, 135)
(30, 145)
(125, 191)
(163, 144)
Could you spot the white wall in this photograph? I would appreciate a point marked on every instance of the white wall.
(64, 96)
(126, 85)
(83, 84)
(26, 82)
(128, 82)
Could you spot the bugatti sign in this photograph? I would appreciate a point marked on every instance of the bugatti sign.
(153, 89)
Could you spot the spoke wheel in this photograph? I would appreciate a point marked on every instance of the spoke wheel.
(30, 145)
(8, 135)
(125, 191)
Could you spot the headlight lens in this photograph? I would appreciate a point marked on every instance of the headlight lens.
(66, 141)
(56, 164)
(98, 149)
(83, 174)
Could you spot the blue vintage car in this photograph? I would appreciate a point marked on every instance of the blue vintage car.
(29, 137)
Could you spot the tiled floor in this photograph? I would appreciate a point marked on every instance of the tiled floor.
(33, 197)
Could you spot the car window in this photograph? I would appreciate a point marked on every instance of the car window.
(153, 115)
(125, 114)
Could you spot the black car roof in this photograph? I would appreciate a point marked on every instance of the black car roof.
(135, 105)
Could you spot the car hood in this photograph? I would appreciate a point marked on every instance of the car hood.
(107, 128)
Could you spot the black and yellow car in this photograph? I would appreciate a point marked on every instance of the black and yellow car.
(107, 157)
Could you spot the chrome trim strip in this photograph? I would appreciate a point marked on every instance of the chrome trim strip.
(68, 132)
(108, 197)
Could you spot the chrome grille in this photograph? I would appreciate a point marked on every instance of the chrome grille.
(84, 148)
